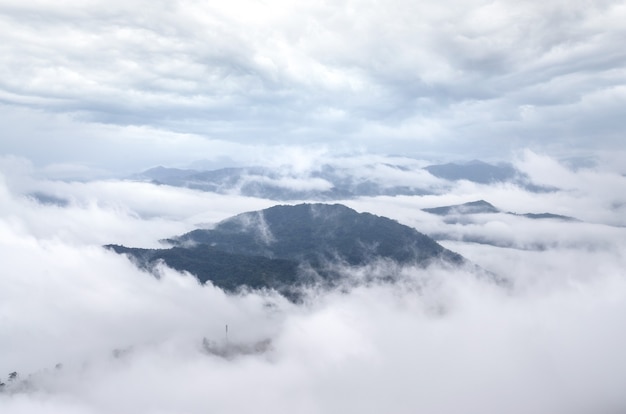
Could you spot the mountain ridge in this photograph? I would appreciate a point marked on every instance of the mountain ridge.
(484, 207)
(285, 247)
(328, 182)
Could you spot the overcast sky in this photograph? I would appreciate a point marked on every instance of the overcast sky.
(124, 85)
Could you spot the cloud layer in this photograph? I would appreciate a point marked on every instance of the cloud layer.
(168, 80)
(440, 341)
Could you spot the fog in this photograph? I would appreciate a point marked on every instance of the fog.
(88, 332)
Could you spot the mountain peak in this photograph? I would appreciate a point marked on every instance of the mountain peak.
(472, 207)
(272, 247)
(315, 232)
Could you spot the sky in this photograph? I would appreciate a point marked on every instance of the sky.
(100, 87)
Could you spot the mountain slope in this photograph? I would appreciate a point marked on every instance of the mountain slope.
(483, 173)
(483, 207)
(476, 171)
(473, 207)
(319, 232)
(227, 270)
(283, 247)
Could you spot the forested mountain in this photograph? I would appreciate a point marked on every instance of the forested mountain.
(284, 246)
(473, 207)
(483, 207)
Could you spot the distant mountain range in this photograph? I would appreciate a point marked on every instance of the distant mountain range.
(329, 182)
(285, 247)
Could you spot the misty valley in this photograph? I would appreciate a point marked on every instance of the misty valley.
(337, 277)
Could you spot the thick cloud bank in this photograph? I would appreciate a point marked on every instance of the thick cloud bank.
(87, 332)
(83, 81)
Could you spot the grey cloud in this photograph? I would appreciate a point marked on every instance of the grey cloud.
(412, 74)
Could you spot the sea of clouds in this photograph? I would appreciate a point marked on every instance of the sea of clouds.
(88, 332)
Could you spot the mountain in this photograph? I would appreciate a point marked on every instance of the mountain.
(227, 270)
(473, 207)
(550, 216)
(336, 181)
(463, 214)
(160, 173)
(283, 247)
(222, 180)
(476, 171)
(325, 183)
(483, 207)
(483, 173)
(48, 199)
(317, 233)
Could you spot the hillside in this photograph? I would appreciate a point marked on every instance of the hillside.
(483, 207)
(285, 246)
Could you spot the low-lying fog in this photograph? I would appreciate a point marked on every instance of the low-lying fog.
(85, 331)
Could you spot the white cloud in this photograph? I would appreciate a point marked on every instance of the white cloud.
(438, 341)
(457, 344)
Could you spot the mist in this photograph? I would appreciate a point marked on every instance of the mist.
(88, 332)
